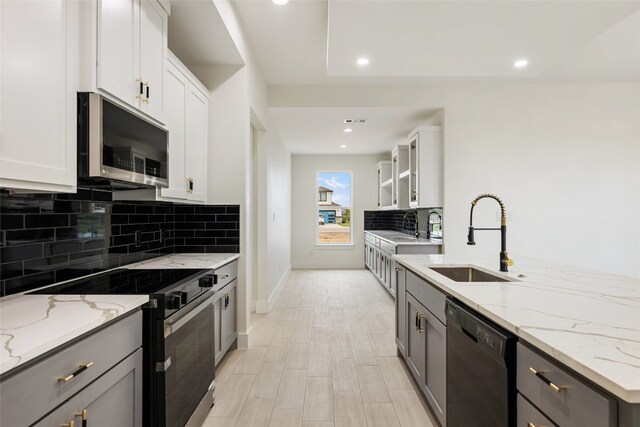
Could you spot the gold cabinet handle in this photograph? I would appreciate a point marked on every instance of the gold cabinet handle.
(84, 415)
(552, 386)
(419, 317)
(70, 424)
(74, 374)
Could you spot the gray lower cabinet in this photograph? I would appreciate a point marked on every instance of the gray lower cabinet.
(401, 319)
(228, 317)
(378, 257)
(415, 351)
(99, 372)
(224, 309)
(435, 377)
(560, 395)
(421, 337)
(114, 399)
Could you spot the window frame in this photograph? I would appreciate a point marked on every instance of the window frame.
(332, 245)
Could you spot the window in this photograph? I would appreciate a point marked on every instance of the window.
(334, 207)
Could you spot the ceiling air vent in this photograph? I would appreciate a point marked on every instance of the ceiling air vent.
(354, 121)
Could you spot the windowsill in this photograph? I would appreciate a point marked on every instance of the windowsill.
(334, 246)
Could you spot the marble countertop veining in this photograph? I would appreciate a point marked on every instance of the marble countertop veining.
(398, 238)
(211, 261)
(588, 320)
(31, 325)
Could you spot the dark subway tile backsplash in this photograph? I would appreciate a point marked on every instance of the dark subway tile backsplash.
(47, 238)
(397, 221)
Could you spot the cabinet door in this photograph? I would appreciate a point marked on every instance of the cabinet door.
(118, 49)
(415, 352)
(196, 152)
(114, 399)
(38, 84)
(392, 276)
(401, 307)
(175, 109)
(229, 317)
(217, 328)
(153, 47)
(436, 363)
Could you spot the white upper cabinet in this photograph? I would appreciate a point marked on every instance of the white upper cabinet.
(176, 89)
(186, 112)
(118, 54)
(400, 174)
(38, 85)
(196, 146)
(131, 40)
(153, 51)
(425, 167)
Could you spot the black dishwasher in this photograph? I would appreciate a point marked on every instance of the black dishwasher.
(481, 386)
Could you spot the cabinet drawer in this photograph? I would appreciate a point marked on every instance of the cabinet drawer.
(114, 399)
(226, 274)
(529, 416)
(430, 297)
(39, 384)
(575, 404)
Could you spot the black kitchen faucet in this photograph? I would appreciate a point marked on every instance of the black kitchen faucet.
(504, 256)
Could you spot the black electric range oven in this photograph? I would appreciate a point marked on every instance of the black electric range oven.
(178, 338)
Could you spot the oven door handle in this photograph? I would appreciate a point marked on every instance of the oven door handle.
(182, 318)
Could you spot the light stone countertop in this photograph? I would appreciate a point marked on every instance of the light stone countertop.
(210, 261)
(588, 320)
(401, 239)
(31, 325)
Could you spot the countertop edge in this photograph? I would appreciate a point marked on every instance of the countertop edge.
(394, 242)
(184, 260)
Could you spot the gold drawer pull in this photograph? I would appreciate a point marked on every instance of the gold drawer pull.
(70, 424)
(71, 376)
(552, 386)
(85, 417)
(419, 317)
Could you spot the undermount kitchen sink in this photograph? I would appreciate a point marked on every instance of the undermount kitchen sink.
(468, 274)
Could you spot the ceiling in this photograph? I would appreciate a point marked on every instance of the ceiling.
(317, 42)
(307, 130)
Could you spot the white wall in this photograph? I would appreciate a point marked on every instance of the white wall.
(305, 252)
(565, 158)
(238, 98)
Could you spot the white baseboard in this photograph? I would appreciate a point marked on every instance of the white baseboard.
(267, 306)
(244, 339)
(323, 265)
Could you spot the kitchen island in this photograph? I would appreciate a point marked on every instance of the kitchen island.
(588, 321)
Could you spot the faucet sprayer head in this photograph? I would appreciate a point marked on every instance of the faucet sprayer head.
(470, 237)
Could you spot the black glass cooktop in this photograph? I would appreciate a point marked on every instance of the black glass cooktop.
(122, 281)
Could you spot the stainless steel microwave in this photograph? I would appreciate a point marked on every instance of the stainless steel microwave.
(118, 149)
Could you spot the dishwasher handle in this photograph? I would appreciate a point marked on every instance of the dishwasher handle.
(475, 328)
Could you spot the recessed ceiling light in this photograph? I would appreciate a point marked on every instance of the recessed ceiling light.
(280, 2)
(362, 61)
(343, 146)
(348, 130)
(521, 63)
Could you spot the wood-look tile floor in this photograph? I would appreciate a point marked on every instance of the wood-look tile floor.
(325, 356)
